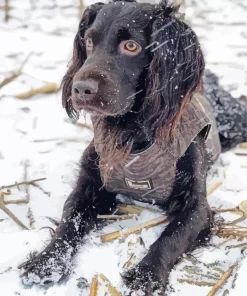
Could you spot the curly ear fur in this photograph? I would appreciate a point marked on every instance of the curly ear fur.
(79, 57)
(175, 71)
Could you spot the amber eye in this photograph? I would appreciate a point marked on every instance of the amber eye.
(131, 46)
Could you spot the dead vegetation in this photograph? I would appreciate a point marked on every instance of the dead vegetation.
(45, 89)
(222, 280)
(15, 73)
(99, 280)
(4, 203)
(199, 273)
(135, 229)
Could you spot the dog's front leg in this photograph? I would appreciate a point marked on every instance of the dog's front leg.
(79, 217)
(190, 218)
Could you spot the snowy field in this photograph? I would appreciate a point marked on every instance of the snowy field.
(38, 141)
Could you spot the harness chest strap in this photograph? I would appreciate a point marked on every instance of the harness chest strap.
(150, 174)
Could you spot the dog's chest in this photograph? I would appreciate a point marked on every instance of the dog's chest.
(147, 176)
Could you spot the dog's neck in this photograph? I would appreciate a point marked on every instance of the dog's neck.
(124, 129)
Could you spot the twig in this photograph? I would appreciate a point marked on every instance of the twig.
(6, 270)
(10, 78)
(196, 283)
(132, 209)
(225, 241)
(232, 227)
(237, 220)
(222, 280)
(127, 231)
(47, 140)
(94, 286)
(41, 189)
(236, 246)
(195, 270)
(211, 266)
(25, 61)
(45, 89)
(116, 217)
(9, 213)
(240, 209)
(236, 233)
(226, 210)
(16, 201)
(22, 183)
(7, 9)
(243, 145)
(112, 290)
(75, 140)
(3, 203)
(130, 261)
(212, 188)
(84, 125)
(15, 74)
(241, 153)
(81, 6)
(26, 164)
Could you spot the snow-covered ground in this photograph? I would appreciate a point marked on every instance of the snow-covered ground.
(36, 141)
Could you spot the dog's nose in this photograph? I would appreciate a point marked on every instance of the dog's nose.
(85, 89)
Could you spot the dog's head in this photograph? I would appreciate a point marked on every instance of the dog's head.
(129, 57)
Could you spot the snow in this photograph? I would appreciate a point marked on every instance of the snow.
(36, 137)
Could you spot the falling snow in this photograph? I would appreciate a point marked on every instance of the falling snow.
(221, 26)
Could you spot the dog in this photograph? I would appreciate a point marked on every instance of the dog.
(138, 68)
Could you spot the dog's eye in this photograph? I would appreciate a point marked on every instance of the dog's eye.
(130, 47)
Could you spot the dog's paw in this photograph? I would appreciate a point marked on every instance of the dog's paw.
(48, 267)
(143, 278)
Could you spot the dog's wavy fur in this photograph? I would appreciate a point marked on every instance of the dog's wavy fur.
(180, 74)
(167, 72)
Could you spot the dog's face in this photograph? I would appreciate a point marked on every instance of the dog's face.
(132, 56)
(116, 57)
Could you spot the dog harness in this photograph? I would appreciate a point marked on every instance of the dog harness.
(149, 176)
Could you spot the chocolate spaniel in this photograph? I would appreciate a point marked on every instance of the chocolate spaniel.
(159, 121)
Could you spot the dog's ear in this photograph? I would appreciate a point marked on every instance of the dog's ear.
(176, 68)
(79, 57)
